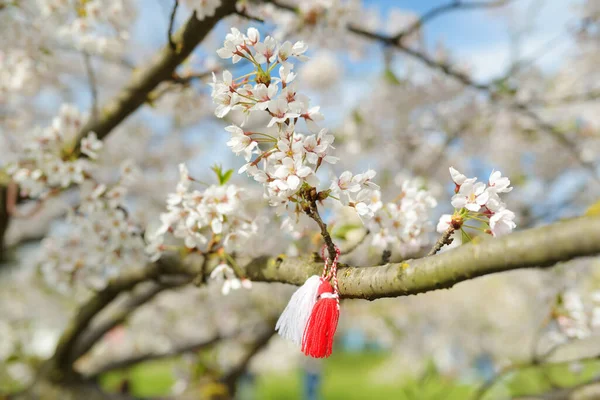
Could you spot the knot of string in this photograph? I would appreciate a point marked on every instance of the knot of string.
(330, 271)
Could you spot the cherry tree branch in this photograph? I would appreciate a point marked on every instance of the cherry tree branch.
(60, 365)
(313, 212)
(536, 362)
(97, 331)
(537, 247)
(231, 377)
(489, 89)
(172, 24)
(142, 83)
(161, 69)
(456, 5)
(520, 108)
(91, 75)
(592, 95)
(188, 78)
(4, 219)
(562, 393)
(128, 362)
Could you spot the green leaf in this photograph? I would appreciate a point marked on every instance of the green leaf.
(222, 176)
(226, 177)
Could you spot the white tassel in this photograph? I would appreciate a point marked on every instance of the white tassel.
(293, 319)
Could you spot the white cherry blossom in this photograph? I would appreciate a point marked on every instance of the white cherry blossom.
(502, 222)
(471, 195)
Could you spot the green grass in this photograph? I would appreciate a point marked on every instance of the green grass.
(350, 376)
(539, 380)
(346, 376)
(154, 378)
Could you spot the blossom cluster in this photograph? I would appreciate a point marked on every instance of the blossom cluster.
(101, 241)
(480, 202)
(323, 22)
(206, 220)
(18, 73)
(203, 8)
(224, 274)
(576, 318)
(403, 224)
(44, 162)
(280, 157)
(88, 25)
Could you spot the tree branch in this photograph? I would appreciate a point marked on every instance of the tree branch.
(562, 393)
(541, 363)
(172, 24)
(447, 69)
(574, 98)
(538, 247)
(230, 379)
(455, 5)
(95, 333)
(519, 108)
(60, 365)
(314, 214)
(161, 69)
(311, 209)
(89, 68)
(128, 362)
(4, 219)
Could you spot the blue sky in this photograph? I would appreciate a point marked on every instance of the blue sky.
(483, 37)
(480, 37)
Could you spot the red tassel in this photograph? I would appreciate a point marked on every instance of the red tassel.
(318, 336)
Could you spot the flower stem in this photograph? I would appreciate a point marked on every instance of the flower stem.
(445, 239)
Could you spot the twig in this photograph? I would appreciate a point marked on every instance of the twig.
(569, 99)
(313, 212)
(187, 78)
(558, 136)
(446, 239)
(536, 362)
(455, 5)
(281, 5)
(200, 278)
(4, 220)
(356, 244)
(561, 393)
(184, 80)
(451, 137)
(244, 14)
(171, 25)
(230, 379)
(93, 84)
(520, 108)
(12, 198)
(161, 69)
(447, 69)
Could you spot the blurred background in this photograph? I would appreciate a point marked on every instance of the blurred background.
(408, 88)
